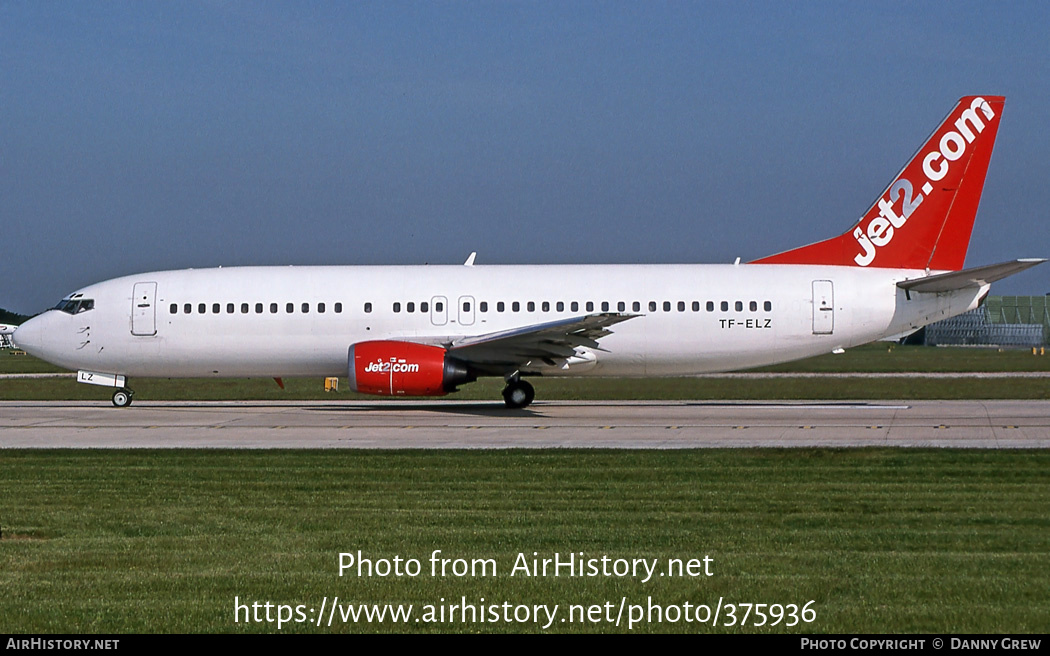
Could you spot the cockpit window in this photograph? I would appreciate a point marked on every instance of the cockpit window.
(75, 306)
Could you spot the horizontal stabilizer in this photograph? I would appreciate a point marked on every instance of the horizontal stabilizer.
(976, 277)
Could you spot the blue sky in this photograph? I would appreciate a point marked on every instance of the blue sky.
(141, 136)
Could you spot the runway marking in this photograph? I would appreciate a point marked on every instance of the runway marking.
(448, 425)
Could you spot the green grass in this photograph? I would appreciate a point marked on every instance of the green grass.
(885, 357)
(882, 540)
(17, 362)
(872, 358)
(553, 389)
(878, 357)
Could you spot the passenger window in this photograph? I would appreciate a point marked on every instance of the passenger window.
(560, 307)
(637, 307)
(339, 308)
(273, 308)
(696, 306)
(710, 306)
(484, 306)
(667, 306)
(320, 308)
(681, 306)
(652, 306)
(515, 306)
(739, 306)
(215, 308)
(290, 308)
(621, 306)
(754, 306)
(244, 308)
(575, 307)
(546, 307)
(590, 306)
(202, 308)
(174, 309)
(725, 306)
(466, 306)
(605, 306)
(768, 306)
(531, 306)
(410, 307)
(439, 307)
(368, 308)
(258, 308)
(229, 308)
(187, 309)
(397, 307)
(424, 307)
(306, 308)
(499, 306)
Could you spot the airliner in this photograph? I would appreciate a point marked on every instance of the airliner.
(6, 333)
(425, 330)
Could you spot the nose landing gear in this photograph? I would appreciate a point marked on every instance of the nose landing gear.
(122, 397)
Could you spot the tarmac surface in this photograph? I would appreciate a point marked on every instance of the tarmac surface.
(547, 424)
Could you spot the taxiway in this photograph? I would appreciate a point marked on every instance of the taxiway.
(551, 424)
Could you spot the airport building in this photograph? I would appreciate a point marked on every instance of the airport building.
(1004, 321)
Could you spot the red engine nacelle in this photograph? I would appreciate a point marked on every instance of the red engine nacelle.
(402, 368)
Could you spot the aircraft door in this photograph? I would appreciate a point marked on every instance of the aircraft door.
(144, 309)
(466, 310)
(823, 307)
(439, 310)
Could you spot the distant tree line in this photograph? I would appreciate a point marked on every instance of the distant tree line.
(12, 318)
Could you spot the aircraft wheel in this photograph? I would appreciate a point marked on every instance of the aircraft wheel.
(518, 394)
(122, 398)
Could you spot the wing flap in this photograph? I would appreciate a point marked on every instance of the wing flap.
(555, 340)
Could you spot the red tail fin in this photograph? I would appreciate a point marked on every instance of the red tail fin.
(924, 218)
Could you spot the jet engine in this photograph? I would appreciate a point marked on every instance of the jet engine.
(393, 368)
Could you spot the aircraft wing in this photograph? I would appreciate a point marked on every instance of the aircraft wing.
(976, 277)
(549, 342)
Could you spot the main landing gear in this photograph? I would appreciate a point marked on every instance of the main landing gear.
(122, 397)
(518, 393)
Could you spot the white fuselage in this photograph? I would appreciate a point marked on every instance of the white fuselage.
(300, 321)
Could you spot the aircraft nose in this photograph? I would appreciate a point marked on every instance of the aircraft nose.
(30, 336)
